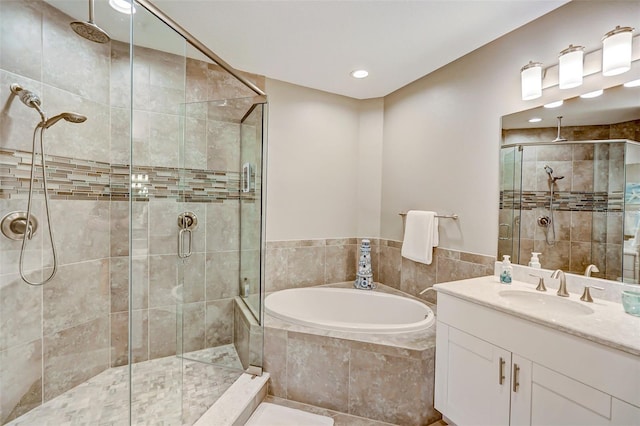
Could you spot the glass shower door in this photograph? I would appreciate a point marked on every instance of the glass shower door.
(218, 229)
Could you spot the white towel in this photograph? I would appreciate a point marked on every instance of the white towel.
(420, 236)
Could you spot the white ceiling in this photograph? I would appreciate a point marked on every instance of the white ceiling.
(318, 43)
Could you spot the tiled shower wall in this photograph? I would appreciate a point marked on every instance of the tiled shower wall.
(56, 336)
(589, 200)
(304, 263)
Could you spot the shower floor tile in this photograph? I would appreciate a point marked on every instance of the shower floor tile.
(165, 391)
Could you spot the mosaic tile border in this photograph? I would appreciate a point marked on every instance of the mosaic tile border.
(76, 179)
(563, 200)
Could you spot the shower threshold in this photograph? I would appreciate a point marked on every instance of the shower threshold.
(169, 391)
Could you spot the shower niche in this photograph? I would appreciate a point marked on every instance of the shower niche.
(576, 203)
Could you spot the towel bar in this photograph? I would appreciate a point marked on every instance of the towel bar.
(441, 216)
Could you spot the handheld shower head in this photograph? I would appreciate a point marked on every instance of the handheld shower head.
(71, 117)
(548, 170)
(28, 98)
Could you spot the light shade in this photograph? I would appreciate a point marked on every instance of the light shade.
(123, 6)
(570, 67)
(555, 104)
(593, 94)
(531, 81)
(616, 51)
(632, 83)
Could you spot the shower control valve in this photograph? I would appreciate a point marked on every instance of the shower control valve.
(544, 221)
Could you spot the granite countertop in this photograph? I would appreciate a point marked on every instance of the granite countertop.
(608, 324)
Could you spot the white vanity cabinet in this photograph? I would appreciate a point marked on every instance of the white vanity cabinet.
(493, 368)
(475, 379)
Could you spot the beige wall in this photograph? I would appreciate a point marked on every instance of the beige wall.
(319, 145)
(442, 132)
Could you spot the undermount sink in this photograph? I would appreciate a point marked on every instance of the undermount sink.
(549, 302)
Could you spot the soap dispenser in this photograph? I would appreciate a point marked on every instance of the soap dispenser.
(507, 270)
(535, 261)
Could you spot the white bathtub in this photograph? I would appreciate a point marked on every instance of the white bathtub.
(361, 311)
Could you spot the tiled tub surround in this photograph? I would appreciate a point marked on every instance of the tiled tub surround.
(386, 377)
(66, 332)
(349, 372)
(304, 263)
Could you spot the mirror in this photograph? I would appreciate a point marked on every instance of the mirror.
(572, 192)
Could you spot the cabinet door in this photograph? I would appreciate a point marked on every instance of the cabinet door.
(474, 379)
(520, 391)
(559, 400)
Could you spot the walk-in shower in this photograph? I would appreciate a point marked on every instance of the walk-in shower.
(135, 325)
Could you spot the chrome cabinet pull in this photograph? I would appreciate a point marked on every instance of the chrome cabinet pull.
(516, 372)
(501, 376)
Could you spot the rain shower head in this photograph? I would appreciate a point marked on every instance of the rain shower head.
(71, 117)
(89, 30)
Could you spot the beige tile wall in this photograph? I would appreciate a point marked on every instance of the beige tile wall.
(304, 263)
(373, 381)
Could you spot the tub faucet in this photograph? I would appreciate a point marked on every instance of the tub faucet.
(591, 268)
(562, 290)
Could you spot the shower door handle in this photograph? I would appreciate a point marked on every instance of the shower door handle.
(187, 222)
(246, 177)
(182, 254)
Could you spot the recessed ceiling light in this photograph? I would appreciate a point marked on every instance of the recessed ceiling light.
(535, 120)
(593, 94)
(632, 83)
(555, 104)
(359, 73)
(122, 6)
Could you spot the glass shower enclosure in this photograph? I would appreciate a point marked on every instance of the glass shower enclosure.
(576, 203)
(156, 207)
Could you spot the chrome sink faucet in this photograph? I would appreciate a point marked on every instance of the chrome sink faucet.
(562, 290)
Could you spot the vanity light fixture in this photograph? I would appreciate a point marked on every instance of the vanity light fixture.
(570, 64)
(535, 120)
(555, 104)
(531, 80)
(123, 6)
(359, 73)
(593, 94)
(632, 83)
(616, 51)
